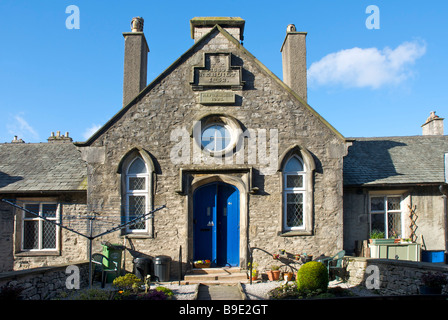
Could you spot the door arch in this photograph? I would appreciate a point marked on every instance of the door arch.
(216, 224)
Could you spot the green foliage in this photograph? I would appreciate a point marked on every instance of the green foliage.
(93, 294)
(168, 292)
(286, 291)
(127, 282)
(289, 291)
(377, 234)
(312, 276)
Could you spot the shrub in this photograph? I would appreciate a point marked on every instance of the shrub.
(93, 294)
(286, 291)
(168, 292)
(153, 294)
(127, 282)
(312, 276)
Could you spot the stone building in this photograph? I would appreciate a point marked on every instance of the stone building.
(235, 155)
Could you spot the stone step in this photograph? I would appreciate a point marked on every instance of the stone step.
(215, 270)
(215, 276)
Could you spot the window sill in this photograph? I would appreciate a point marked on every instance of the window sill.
(138, 236)
(38, 253)
(295, 233)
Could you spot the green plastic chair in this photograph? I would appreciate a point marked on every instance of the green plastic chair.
(335, 263)
(98, 267)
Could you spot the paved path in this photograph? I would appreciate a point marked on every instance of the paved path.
(219, 292)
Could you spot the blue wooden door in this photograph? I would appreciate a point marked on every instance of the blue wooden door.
(216, 224)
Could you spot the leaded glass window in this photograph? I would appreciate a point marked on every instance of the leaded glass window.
(136, 194)
(386, 215)
(38, 233)
(294, 194)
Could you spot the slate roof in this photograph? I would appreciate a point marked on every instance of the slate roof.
(28, 167)
(396, 161)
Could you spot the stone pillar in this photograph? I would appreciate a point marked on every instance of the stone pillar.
(135, 61)
(294, 61)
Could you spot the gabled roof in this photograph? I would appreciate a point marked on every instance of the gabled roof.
(36, 167)
(396, 161)
(180, 60)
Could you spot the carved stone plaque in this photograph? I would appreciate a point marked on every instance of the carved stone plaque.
(217, 97)
(217, 72)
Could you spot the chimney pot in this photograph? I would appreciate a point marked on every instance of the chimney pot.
(137, 24)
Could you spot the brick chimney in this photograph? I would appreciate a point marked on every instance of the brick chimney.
(135, 61)
(199, 26)
(294, 61)
(433, 125)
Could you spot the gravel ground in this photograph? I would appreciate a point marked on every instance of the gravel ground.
(259, 291)
(181, 292)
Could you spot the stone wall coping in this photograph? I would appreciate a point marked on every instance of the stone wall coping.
(26, 272)
(402, 263)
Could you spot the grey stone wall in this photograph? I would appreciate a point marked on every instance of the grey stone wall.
(262, 104)
(45, 282)
(396, 277)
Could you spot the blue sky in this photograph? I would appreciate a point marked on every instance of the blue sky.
(365, 82)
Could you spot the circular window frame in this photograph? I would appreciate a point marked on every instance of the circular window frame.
(229, 123)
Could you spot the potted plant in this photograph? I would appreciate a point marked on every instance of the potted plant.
(276, 256)
(274, 273)
(287, 276)
(378, 237)
(432, 283)
(254, 274)
(297, 257)
(202, 263)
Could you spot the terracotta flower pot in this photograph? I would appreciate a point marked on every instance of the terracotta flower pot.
(288, 276)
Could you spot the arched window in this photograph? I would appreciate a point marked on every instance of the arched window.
(294, 194)
(137, 194)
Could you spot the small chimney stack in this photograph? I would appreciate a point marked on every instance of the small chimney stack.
(58, 138)
(199, 26)
(294, 61)
(433, 125)
(135, 61)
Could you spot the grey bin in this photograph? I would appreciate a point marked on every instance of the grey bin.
(162, 266)
(142, 267)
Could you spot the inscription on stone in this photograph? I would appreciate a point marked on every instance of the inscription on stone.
(217, 97)
(217, 72)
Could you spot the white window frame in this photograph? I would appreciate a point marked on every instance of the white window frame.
(386, 212)
(294, 190)
(40, 222)
(230, 138)
(142, 192)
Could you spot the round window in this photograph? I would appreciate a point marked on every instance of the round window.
(216, 137)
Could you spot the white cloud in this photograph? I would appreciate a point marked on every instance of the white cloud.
(90, 131)
(19, 127)
(369, 67)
